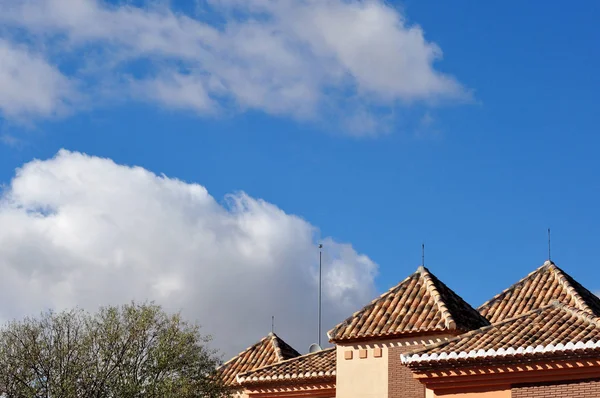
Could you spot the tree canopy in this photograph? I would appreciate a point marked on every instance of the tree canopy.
(136, 350)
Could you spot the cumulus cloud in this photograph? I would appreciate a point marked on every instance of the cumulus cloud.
(291, 58)
(84, 231)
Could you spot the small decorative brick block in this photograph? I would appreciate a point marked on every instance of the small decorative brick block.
(377, 352)
(348, 354)
(362, 353)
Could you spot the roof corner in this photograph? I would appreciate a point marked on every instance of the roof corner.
(435, 294)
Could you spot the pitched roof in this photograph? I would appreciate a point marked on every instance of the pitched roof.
(551, 331)
(319, 365)
(538, 289)
(269, 350)
(419, 304)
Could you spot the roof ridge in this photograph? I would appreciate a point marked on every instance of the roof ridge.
(481, 329)
(420, 303)
(276, 348)
(276, 342)
(563, 279)
(437, 297)
(284, 362)
(546, 264)
(259, 342)
(370, 305)
(580, 314)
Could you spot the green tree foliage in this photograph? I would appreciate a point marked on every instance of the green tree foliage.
(127, 352)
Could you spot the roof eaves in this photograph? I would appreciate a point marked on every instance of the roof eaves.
(390, 336)
(243, 377)
(502, 352)
(288, 378)
(416, 356)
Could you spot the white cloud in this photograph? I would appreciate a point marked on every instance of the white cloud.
(293, 58)
(177, 91)
(81, 230)
(29, 85)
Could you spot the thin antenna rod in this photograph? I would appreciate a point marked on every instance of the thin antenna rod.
(423, 254)
(272, 323)
(320, 274)
(549, 246)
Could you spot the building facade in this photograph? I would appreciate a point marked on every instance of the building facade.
(538, 338)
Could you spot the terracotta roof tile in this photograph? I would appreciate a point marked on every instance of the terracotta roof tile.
(421, 303)
(269, 350)
(319, 365)
(552, 331)
(538, 289)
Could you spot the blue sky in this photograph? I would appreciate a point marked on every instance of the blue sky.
(478, 172)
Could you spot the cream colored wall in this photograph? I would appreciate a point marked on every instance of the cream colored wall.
(502, 393)
(368, 377)
(361, 377)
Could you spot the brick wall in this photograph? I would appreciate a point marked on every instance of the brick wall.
(401, 383)
(579, 389)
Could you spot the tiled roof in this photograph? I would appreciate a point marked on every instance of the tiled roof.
(553, 330)
(538, 289)
(419, 304)
(319, 365)
(269, 350)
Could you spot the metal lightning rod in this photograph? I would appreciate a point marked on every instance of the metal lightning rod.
(549, 246)
(320, 275)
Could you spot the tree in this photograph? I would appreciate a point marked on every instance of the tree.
(127, 352)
